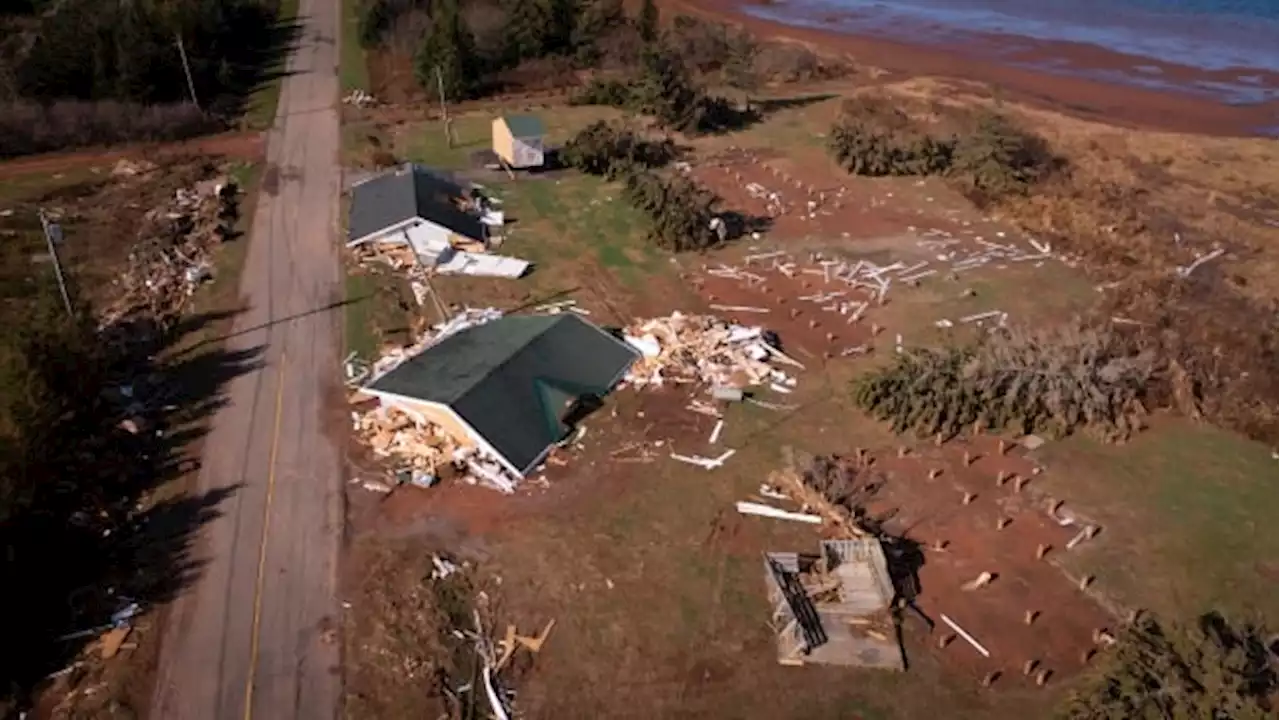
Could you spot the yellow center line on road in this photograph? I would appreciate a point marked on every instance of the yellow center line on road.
(262, 551)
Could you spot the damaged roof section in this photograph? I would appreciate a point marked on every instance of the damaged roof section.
(513, 380)
(408, 193)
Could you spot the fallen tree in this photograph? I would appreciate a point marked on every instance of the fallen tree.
(1209, 669)
(1050, 382)
(613, 152)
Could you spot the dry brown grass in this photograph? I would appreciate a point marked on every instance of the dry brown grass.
(1136, 206)
(401, 635)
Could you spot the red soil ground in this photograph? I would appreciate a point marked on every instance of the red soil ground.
(1061, 638)
(799, 199)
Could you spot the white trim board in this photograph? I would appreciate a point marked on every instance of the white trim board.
(399, 227)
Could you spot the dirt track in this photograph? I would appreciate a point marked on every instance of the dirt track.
(239, 145)
(253, 637)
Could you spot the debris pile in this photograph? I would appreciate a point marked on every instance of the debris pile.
(495, 657)
(684, 349)
(459, 228)
(359, 98)
(423, 450)
(172, 256)
(125, 167)
(834, 608)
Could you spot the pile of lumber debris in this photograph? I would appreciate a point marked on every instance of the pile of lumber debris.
(683, 349)
(420, 452)
(172, 256)
(833, 608)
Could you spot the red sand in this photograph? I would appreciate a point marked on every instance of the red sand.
(1090, 99)
(931, 509)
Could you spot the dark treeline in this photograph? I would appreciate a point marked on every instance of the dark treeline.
(75, 53)
(474, 46)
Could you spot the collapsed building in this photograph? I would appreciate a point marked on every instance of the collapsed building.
(414, 216)
(502, 393)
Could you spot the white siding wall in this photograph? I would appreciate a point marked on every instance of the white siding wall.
(528, 152)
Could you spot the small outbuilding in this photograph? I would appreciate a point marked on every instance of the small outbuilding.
(518, 141)
(511, 386)
(414, 197)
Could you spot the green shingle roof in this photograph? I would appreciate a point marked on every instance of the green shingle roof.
(510, 379)
(523, 126)
(405, 193)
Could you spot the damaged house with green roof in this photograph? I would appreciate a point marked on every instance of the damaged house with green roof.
(511, 388)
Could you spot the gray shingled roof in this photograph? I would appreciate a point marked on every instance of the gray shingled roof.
(408, 192)
(524, 126)
(510, 378)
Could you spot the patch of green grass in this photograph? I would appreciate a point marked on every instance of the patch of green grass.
(1188, 515)
(29, 186)
(425, 142)
(353, 68)
(564, 219)
(260, 112)
(359, 330)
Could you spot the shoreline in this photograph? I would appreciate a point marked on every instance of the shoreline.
(1015, 77)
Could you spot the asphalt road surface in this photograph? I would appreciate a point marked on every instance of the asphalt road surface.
(256, 634)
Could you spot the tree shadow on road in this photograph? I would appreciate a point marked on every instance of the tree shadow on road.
(94, 512)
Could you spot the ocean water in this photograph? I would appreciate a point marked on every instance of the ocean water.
(1234, 39)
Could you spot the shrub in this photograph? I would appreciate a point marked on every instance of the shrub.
(1050, 382)
(992, 159)
(998, 158)
(862, 150)
(1207, 669)
(28, 128)
(875, 138)
(602, 149)
(681, 210)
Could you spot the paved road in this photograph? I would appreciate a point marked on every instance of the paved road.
(255, 635)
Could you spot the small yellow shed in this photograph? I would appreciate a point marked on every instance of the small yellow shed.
(517, 140)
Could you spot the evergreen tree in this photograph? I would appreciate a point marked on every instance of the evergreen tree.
(593, 21)
(648, 21)
(665, 90)
(528, 22)
(562, 17)
(449, 49)
(739, 65)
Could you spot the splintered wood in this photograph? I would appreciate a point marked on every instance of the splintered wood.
(684, 349)
(391, 433)
(421, 449)
(834, 607)
(173, 254)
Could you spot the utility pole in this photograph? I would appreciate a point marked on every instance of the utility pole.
(50, 230)
(444, 108)
(186, 68)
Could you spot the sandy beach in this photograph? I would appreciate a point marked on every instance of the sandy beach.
(1014, 76)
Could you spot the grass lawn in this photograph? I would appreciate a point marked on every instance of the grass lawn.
(1188, 515)
(353, 71)
(473, 130)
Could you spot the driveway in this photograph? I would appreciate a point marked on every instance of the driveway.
(256, 634)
